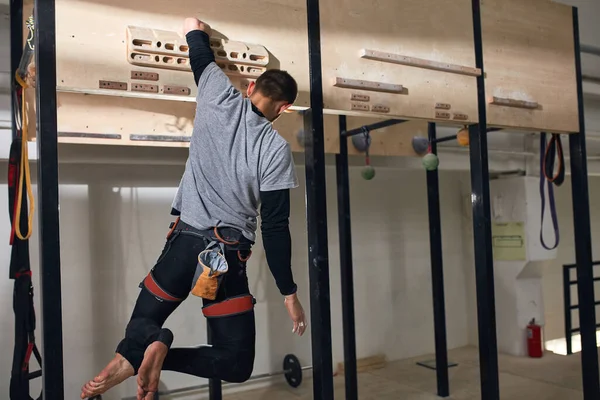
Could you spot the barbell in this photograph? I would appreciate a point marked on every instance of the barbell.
(292, 370)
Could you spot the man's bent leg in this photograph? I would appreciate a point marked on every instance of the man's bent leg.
(165, 287)
(231, 356)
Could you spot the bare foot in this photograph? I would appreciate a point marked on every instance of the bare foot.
(149, 373)
(114, 373)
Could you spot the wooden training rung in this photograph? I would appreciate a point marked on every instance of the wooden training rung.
(359, 97)
(500, 101)
(418, 62)
(380, 108)
(360, 107)
(144, 76)
(112, 85)
(179, 90)
(144, 87)
(367, 85)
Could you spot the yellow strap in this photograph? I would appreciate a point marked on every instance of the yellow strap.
(24, 171)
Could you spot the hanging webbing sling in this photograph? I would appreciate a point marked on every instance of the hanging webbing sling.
(23, 289)
(548, 155)
(21, 218)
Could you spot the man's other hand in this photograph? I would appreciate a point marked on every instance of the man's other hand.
(296, 313)
(192, 24)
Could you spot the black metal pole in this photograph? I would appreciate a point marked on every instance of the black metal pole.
(482, 231)
(316, 211)
(437, 273)
(16, 50)
(583, 240)
(215, 389)
(371, 127)
(567, 306)
(48, 205)
(346, 267)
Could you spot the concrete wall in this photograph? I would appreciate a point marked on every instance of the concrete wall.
(112, 230)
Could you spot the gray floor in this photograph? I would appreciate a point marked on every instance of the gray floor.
(552, 377)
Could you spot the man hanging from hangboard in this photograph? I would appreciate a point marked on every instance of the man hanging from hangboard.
(237, 165)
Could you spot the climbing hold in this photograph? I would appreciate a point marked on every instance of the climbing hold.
(420, 145)
(362, 142)
(431, 162)
(368, 172)
(463, 137)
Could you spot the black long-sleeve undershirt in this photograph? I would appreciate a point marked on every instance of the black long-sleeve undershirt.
(275, 205)
(277, 241)
(200, 52)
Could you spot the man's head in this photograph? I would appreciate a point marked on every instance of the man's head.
(273, 93)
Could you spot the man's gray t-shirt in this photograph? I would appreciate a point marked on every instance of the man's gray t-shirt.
(234, 155)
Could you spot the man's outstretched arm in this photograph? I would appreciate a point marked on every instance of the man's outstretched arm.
(277, 241)
(197, 34)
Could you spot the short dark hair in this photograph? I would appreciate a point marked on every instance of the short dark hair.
(277, 85)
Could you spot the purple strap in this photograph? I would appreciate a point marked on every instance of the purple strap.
(552, 205)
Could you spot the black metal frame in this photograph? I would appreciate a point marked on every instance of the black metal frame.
(347, 283)
(583, 239)
(482, 230)
(48, 205)
(316, 211)
(437, 272)
(53, 384)
(568, 307)
(368, 128)
(346, 267)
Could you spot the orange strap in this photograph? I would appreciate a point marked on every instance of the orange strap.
(216, 232)
(231, 306)
(244, 259)
(173, 226)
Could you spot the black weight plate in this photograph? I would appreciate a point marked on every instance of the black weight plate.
(293, 376)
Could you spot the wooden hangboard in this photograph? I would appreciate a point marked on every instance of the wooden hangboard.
(117, 121)
(91, 37)
(529, 54)
(433, 30)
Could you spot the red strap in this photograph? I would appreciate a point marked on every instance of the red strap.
(27, 356)
(232, 306)
(156, 290)
(18, 274)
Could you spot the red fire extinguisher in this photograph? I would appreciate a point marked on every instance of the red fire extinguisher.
(534, 339)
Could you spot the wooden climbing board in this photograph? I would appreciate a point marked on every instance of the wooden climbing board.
(401, 57)
(123, 75)
(148, 122)
(529, 58)
(107, 40)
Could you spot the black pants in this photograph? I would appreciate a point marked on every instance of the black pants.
(231, 354)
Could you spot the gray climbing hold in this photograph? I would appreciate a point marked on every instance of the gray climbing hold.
(361, 142)
(420, 145)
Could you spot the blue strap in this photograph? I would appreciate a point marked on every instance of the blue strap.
(552, 205)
